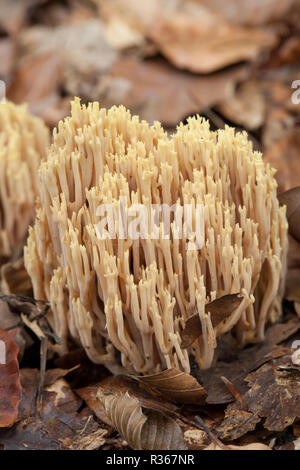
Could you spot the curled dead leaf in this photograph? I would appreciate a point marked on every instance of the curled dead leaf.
(291, 199)
(219, 309)
(143, 429)
(119, 385)
(176, 386)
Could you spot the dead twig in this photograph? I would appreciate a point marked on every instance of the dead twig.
(43, 361)
(233, 390)
(213, 438)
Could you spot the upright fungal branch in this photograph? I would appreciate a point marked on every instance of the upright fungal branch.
(134, 295)
(23, 142)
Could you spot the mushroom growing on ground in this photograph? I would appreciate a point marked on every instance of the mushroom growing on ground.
(23, 142)
(125, 300)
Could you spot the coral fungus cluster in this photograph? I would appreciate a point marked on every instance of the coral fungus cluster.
(126, 300)
(23, 142)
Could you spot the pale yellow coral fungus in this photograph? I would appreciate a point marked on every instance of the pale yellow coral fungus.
(23, 142)
(134, 296)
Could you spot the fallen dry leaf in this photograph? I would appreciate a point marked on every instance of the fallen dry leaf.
(119, 385)
(83, 61)
(14, 14)
(176, 386)
(293, 253)
(196, 439)
(36, 78)
(219, 310)
(292, 290)
(284, 155)
(14, 279)
(236, 423)
(89, 395)
(157, 91)
(30, 381)
(274, 395)
(241, 363)
(138, 15)
(93, 441)
(251, 13)
(10, 386)
(279, 123)
(246, 106)
(142, 429)
(280, 332)
(8, 56)
(290, 51)
(59, 425)
(188, 42)
(291, 199)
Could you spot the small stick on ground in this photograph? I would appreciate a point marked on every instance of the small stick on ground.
(213, 438)
(233, 390)
(43, 360)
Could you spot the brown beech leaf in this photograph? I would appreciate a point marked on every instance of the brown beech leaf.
(252, 13)
(118, 385)
(284, 155)
(52, 109)
(219, 309)
(246, 105)
(275, 394)
(89, 395)
(59, 425)
(143, 429)
(176, 386)
(291, 199)
(293, 253)
(79, 50)
(157, 91)
(280, 332)
(14, 14)
(30, 381)
(7, 54)
(241, 363)
(36, 78)
(292, 290)
(10, 386)
(206, 43)
(236, 423)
